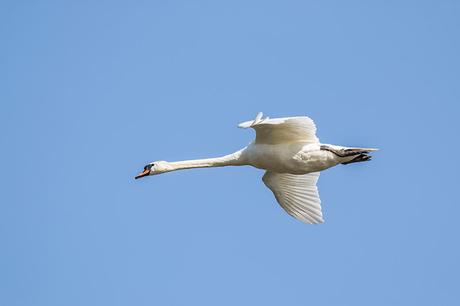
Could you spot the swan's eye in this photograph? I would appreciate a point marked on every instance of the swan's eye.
(149, 166)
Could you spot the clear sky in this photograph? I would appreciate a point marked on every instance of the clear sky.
(93, 90)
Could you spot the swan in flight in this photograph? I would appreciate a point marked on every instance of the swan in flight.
(291, 154)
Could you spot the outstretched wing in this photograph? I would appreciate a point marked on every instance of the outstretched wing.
(282, 130)
(296, 194)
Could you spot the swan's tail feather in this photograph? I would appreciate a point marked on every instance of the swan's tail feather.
(345, 151)
(356, 154)
(366, 150)
(355, 151)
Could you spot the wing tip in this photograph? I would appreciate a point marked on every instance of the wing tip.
(308, 220)
(316, 220)
(245, 125)
(250, 123)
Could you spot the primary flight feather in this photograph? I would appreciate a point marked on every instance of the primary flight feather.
(290, 152)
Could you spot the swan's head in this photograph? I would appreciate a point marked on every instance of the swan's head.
(153, 168)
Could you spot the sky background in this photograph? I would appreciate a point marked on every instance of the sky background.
(91, 91)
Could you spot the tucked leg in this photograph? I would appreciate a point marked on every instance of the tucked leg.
(360, 158)
(340, 152)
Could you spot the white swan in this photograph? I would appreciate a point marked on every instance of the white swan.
(291, 154)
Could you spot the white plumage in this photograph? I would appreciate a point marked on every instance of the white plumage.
(290, 152)
(297, 194)
(282, 130)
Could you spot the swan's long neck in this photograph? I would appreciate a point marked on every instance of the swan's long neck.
(233, 159)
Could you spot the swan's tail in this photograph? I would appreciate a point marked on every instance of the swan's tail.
(357, 154)
(355, 151)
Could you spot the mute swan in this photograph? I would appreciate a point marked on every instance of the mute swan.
(291, 154)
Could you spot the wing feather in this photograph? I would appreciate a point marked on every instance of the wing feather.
(296, 194)
(282, 130)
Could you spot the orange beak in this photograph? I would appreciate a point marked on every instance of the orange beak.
(142, 174)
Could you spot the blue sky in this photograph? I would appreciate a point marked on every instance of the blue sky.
(93, 90)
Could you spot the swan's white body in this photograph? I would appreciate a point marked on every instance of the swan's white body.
(291, 154)
(295, 158)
